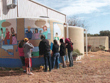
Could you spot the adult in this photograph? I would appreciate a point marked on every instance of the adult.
(56, 54)
(36, 34)
(44, 49)
(63, 52)
(21, 54)
(29, 33)
(27, 54)
(13, 36)
(7, 36)
(70, 49)
(45, 31)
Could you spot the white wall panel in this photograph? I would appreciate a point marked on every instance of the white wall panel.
(56, 15)
(8, 13)
(30, 9)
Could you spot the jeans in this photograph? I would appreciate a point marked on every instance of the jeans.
(63, 60)
(70, 58)
(47, 57)
(56, 58)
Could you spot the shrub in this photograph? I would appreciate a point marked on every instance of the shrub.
(76, 53)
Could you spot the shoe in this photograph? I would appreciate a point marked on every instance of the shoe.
(30, 73)
(45, 70)
(24, 71)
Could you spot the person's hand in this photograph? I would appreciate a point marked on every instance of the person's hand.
(40, 56)
(31, 50)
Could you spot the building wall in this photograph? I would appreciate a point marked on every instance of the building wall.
(0, 10)
(29, 8)
(8, 13)
(98, 40)
(9, 55)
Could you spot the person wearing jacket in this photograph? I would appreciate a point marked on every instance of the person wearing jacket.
(27, 54)
(56, 54)
(21, 54)
(44, 49)
(70, 49)
(63, 52)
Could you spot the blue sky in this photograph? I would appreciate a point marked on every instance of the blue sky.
(96, 13)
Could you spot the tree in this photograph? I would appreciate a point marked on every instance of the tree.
(105, 33)
(75, 21)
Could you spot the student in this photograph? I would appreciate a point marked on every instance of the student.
(44, 49)
(56, 54)
(21, 54)
(63, 52)
(27, 54)
(70, 49)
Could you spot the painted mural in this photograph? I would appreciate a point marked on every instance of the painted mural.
(8, 37)
(12, 31)
(58, 31)
(34, 28)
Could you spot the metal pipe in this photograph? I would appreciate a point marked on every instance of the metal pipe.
(67, 29)
(86, 44)
(1, 9)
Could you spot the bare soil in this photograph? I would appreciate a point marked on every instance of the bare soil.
(94, 68)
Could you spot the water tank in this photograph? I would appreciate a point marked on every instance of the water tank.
(77, 36)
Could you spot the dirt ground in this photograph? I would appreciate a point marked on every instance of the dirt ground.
(94, 68)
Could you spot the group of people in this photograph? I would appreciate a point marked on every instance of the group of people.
(25, 49)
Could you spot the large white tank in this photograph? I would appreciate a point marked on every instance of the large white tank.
(77, 36)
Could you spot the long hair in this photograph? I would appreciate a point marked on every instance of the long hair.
(55, 42)
(12, 29)
(21, 44)
(35, 30)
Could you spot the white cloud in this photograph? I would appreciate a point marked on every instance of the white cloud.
(81, 6)
(74, 7)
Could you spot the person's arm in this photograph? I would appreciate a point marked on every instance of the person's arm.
(30, 46)
(53, 48)
(41, 48)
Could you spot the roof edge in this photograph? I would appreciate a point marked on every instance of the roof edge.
(47, 7)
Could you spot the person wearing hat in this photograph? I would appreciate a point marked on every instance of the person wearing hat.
(44, 49)
(27, 54)
(29, 33)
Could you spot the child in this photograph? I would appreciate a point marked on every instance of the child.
(63, 52)
(56, 53)
(27, 53)
(21, 54)
(70, 49)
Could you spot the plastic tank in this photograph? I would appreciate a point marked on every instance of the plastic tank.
(77, 36)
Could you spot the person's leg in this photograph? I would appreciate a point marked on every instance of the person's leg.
(49, 61)
(57, 57)
(54, 59)
(23, 63)
(45, 59)
(64, 62)
(8, 41)
(69, 58)
(27, 70)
